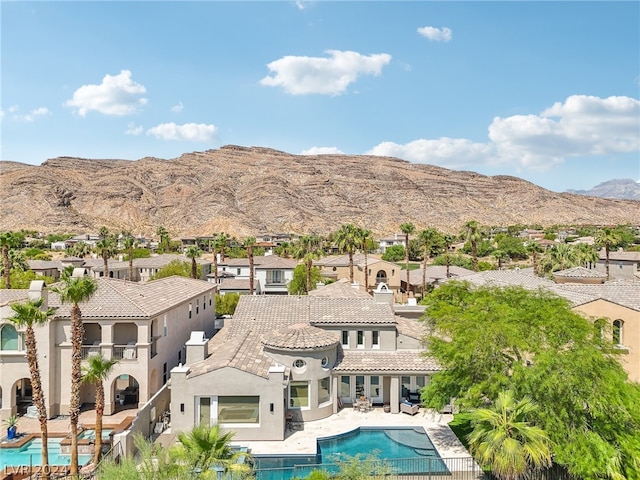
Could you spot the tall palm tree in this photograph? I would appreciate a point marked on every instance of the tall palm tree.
(559, 257)
(129, 242)
(307, 249)
(217, 245)
(207, 446)
(587, 254)
(29, 315)
(103, 232)
(366, 240)
(471, 233)
(347, 239)
(249, 243)
(427, 239)
(407, 229)
(193, 252)
(607, 237)
(448, 241)
(505, 441)
(8, 240)
(500, 256)
(80, 249)
(95, 372)
(75, 290)
(106, 247)
(163, 234)
(224, 241)
(534, 248)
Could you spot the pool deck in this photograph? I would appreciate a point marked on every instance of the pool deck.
(302, 440)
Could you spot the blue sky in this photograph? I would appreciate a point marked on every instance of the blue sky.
(546, 91)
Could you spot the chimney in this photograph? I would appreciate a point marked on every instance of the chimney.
(196, 348)
(37, 291)
(382, 294)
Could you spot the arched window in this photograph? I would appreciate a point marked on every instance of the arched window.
(617, 332)
(381, 276)
(8, 337)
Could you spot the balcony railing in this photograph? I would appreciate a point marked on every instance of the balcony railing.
(90, 350)
(125, 352)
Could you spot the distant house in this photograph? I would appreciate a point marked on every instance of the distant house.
(148, 267)
(272, 274)
(395, 239)
(622, 265)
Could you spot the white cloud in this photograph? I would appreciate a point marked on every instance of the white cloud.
(117, 95)
(194, 132)
(177, 108)
(133, 129)
(582, 126)
(436, 34)
(325, 76)
(32, 116)
(322, 151)
(444, 151)
(303, 4)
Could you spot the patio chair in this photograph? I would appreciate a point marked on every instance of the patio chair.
(409, 408)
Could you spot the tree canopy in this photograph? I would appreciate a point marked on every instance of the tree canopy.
(176, 267)
(491, 339)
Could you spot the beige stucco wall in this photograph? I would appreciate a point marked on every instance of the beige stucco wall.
(229, 381)
(630, 358)
(387, 336)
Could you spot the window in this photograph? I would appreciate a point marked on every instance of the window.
(299, 394)
(374, 386)
(238, 409)
(324, 362)
(275, 276)
(190, 308)
(381, 276)
(164, 373)
(345, 338)
(8, 338)
(197, 306)
(360, 339)
(238, 271)
(345, 386)
(617, 332)
(210, 299)
(180, 356)
(204, 411)
(165, 327)
(359, 385)
(204, 302)
(375, 339)
(299, 364)
(324, 390)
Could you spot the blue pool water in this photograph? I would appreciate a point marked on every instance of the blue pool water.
(90, 434)
(31, 454)
(406, 450)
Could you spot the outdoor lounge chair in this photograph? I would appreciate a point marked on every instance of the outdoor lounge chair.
(409, 408)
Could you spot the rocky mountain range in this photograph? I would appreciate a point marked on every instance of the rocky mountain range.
(624, 188)
(251, 190)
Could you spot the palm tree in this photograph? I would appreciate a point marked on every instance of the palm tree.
(8, 240)
(129, 243)
(249, 243)
(407, 229)
(534, 249)
(80, 249)
(607, 237)
(307, 249)
(505, 441)
(448, 241)
(587, 254)
(223, 241)
(366, 239)
(207, 446)
(217, 244)
(96, 371)
(193, 252)
(103, 232)
(427, 239)
(75, 290)
(106, 247)
(347, 239)
(500, 256)
(471, 234)
(28, 315)
(559, 257)
(163, 234)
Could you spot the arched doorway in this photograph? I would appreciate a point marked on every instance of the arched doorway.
(381, 277)
(125, 391)
(22, 394)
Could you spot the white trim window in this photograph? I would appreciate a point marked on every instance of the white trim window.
(324, 391)
(345, 338)
(360, 340)
(375, 339)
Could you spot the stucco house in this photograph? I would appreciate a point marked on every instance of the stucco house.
(298, 358)
(622, 265)
(145, 268)
(271, 274)
(144, 326)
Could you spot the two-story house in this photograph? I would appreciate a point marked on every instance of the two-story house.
(144, 326)
(271, 274)
(299, 358)
(622, 265)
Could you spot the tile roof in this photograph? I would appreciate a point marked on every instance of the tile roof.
(625, 256)
(227, 283)
(44, 264)
(301, 336)
(163, 260)
(410, 327)
(121, 299)
(349, 311)
(340, 289)
(398, 361)
(12, 295)
(437, 273)
(625, 294)
(579, 272)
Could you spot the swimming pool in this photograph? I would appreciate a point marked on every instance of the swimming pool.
(406, 450)
(31, 454)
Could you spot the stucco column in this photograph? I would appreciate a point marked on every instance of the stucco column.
(335, 393)
(395, 394)
(182, 403)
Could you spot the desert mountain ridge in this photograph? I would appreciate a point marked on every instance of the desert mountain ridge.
(251, 190)
(625, 188)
